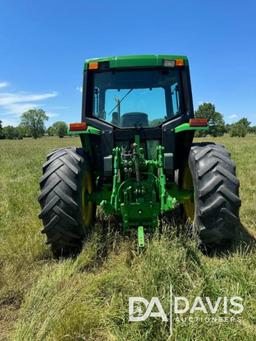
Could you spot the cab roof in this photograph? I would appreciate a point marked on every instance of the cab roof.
(135, 60)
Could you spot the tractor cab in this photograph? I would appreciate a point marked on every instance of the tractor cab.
(137, 91)
(146, 96)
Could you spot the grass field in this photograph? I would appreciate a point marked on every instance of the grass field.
(87, 298)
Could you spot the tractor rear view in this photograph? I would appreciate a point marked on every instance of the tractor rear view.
(137, 159)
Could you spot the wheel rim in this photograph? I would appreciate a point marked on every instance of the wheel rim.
(87, 204)
(187, 184)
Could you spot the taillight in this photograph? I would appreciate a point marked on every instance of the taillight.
(77, 126)
(198, 122)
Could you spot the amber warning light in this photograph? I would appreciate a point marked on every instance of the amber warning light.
(77, 126)
(174, 62)
(198, 122)
(93, 66)
(179, 62)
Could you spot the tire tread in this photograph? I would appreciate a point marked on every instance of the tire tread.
(59, 200)
(216, 193)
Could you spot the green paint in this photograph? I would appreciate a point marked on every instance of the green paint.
(135, 60)
(141, 241)
(181, 195)
(186, 126)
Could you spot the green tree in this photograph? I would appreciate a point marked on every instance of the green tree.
(60, 128)
(215, 119)
(240, 128)
(33, 120)
(9, 132)
(252, 130)
(244, 121)
(23, 131)
(51, 131)
(12, 133)
(227, 127)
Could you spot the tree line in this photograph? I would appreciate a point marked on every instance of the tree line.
(33, 125)
(218, 127)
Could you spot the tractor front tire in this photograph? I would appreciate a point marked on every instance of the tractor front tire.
(67, 211)
(216, 194)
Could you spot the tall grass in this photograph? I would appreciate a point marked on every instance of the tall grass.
(87, 298)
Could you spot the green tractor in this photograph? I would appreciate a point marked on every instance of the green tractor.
(137, 159)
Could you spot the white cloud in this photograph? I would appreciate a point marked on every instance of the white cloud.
(3, 84)
(8, 98)
(13, 104)
(16, 109)
(233, 116)
(17, 103)
(52, 114)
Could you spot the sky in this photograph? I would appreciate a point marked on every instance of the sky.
(43, 45)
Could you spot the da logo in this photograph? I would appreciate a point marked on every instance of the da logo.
(153, 309)
(140, 309)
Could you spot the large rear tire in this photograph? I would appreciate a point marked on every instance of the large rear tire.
(67, 211)
(215, 208)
